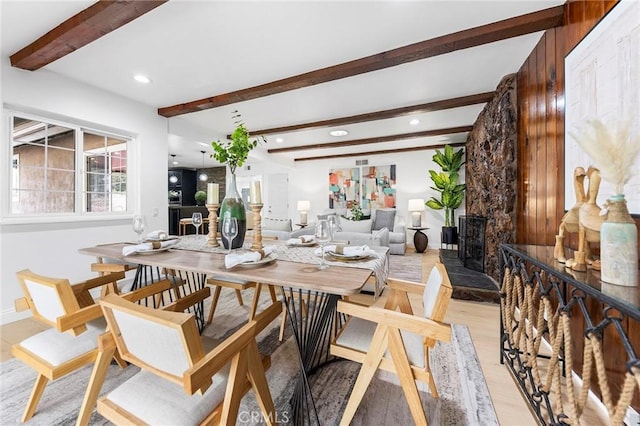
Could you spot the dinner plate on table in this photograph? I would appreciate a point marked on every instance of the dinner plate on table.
(151, 251)
(159, 240)
(263, 261)
(349, 256)
(307, 244)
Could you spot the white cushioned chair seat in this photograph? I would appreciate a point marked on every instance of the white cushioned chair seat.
(57, 348)
(156, 401)
(358, 334)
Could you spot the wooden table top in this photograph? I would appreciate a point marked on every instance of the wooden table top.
(335, 279)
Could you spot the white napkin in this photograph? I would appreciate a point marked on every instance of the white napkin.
(234, 259)
(348, 250)
(127, 250)
(302, 239)
(157, 235)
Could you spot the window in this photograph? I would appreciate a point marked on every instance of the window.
(59, 168)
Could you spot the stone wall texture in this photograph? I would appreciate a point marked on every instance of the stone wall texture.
(491, 167)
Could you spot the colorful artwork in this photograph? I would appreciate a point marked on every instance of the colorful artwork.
(378, 187)
(344, 187)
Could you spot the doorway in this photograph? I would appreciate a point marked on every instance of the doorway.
(277, 196)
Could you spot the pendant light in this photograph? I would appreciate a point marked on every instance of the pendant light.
(173, 178)
(203, 176)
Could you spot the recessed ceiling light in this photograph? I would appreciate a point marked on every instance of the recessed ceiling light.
(279, 140)
(142, 78)
(414, 122)
(338, 133)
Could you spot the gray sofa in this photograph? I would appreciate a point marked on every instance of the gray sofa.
(383, 229)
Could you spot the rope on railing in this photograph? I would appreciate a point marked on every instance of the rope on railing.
(528, 317)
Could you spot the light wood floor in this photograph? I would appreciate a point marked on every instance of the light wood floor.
(481, 318)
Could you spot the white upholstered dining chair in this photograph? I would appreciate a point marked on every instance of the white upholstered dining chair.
(178, 383)
(396, 341)
(75, 321)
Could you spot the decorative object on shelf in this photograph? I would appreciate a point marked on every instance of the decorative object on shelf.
(303, 208)
(213, 222)
(590, 222)
(451, 193)
(619, 244)
(257, 227)
(234, 153)
(614, 151)
(570, 220)
(200, 197)
(416, 207)
(203, 176)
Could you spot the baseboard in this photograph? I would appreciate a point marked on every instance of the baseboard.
(10, 315)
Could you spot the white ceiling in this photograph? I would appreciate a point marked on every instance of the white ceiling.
(198, 49)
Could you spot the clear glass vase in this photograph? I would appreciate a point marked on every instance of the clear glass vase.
(234, 204)
(619, 245)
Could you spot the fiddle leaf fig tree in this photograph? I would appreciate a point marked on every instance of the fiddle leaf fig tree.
(446, 183)
(235, 152)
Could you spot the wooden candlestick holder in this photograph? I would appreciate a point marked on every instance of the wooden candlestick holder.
(213, 225)
(257, 226)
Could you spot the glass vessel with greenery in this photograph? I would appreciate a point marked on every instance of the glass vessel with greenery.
(234, 153)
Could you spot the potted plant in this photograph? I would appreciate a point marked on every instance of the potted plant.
(234, 153)
(200, 198)
(451, 192)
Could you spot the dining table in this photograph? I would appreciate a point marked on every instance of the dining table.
(310, 294)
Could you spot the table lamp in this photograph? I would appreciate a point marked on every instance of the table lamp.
(303, 208)
(416, 206)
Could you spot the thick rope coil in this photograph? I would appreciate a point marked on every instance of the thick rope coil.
(602, 376)
(568, 355)
(587, 369)
(625, 398)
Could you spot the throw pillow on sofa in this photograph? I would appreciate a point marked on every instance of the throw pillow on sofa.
(384, 219)
(276, 224)
(356, 225)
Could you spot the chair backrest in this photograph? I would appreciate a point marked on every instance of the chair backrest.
(165, 343)
(48, 298)
(437, 293)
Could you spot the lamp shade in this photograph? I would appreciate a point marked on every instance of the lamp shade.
(416, 205)
(304, 206)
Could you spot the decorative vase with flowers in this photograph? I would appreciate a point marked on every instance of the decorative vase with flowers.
(234, 153)
(614, 153)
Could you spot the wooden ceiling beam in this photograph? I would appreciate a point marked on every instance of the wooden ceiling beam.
(81, 29)
(379, 139)
(388, 151)
(382, 115)
(489, 33)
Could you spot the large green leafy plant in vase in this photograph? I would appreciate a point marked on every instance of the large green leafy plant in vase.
(233, 153)
(451, 192)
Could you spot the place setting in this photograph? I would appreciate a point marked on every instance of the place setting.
(154, 242)
(250, 259)
(302, 241)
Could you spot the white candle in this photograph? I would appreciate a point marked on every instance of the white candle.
(255, 193)
(212, 193)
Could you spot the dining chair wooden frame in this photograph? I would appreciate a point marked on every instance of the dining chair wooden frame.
(247, 367)
(393, 329)
(67, 309)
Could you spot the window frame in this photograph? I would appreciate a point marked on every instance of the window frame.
(80, 204)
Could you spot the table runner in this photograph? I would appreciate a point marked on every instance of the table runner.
(378, 264)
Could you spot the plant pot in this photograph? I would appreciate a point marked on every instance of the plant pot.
(449, 235)
(234, 205)
(199, 203)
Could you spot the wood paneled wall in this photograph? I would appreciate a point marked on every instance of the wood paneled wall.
(541, 152)
(541, 125)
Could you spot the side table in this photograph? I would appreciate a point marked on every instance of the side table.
(420, 239)
(302, 225)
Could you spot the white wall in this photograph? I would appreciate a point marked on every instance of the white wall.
(52, 248)
(309, 180)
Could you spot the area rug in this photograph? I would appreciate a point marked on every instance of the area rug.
(407, 267)
(464, 397)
